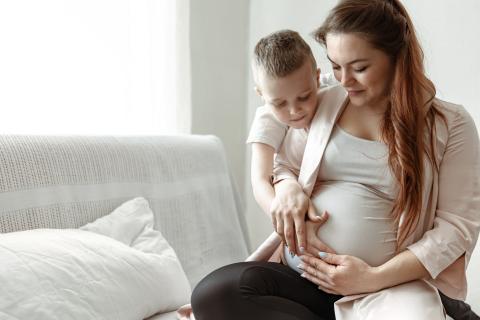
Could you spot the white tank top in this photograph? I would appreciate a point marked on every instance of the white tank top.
(356, 187)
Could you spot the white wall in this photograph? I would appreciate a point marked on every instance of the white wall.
(218, 44)
(449, 32)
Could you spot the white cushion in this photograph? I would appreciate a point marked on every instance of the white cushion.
(120, 269)
(165, 316)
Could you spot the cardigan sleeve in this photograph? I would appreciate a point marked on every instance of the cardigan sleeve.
(457, 217)
(288, 159)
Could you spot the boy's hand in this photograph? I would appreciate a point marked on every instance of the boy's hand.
(288, 211)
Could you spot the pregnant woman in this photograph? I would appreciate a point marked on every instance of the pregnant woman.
(355, 187)
(382, 151)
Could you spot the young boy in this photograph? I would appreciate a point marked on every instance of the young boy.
(287, 79)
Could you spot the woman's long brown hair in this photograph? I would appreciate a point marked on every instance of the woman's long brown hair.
(409, 123)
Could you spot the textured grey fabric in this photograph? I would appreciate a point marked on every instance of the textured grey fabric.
(66, 182)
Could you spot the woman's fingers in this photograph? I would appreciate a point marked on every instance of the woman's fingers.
(313, 264)
(319, 246)
(322, 284)
(327, 290)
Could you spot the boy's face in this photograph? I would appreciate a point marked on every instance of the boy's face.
(293, 98)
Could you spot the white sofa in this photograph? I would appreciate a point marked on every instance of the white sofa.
(66, 182)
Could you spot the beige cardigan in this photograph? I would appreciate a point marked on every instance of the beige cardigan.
(449, 224)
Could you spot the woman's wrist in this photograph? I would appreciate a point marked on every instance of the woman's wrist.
(377, 279)
(402, 268)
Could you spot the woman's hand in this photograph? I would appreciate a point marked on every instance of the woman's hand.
(185, 313)
(339, 274)
(288, 210)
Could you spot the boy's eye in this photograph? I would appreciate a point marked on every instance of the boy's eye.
(304, 98)
(279, 104)
(335, 67)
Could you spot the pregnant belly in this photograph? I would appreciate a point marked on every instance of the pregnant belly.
(358, 223)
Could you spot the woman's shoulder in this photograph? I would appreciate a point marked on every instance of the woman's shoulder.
(456, 121)
(454, 114)
(450, 109)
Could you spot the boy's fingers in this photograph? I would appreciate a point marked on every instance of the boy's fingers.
(311, 212)
(321, 219)
(289, 234)
(300, 234)
(274, 222)
(280, 229)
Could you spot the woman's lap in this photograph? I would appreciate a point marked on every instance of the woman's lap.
(260, 290)
(267, 290)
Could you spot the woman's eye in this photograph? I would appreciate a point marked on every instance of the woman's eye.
(361, 69)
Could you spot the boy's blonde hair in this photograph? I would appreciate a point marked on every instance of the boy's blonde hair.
(281, 53)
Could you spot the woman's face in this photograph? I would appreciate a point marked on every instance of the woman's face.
(364, 71)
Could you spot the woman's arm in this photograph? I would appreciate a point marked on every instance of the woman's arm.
(403, 267)
(456, 223)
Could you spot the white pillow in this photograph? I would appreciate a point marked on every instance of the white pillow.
(117, 267)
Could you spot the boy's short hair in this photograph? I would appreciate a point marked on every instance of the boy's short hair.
(281, 53)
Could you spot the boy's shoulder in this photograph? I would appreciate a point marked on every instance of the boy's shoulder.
(265, 114)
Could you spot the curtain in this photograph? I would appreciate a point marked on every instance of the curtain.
(94, 67)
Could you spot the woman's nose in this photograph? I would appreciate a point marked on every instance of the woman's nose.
(346, 78)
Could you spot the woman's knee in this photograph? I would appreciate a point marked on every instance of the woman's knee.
(216, 288)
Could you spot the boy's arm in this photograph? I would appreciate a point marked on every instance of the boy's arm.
(261, 175)
(261, 179)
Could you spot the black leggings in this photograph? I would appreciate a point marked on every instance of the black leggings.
(260, 290)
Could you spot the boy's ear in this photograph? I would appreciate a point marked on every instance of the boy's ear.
(257, 90)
